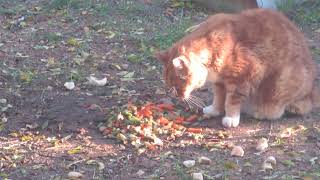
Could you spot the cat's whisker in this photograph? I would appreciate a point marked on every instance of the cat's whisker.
(187, 102)
(170, 90)
(201, 101)
(197, 98)
(175, 92)
(197, 101)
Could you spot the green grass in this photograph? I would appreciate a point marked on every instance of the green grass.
(181, 172)
(304, 13)
(12, 10)
(130, 7)
(51, 37)
(173, 32)
(62, 4)
(102, 9)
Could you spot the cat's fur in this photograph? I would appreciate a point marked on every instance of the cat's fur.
(257, 60)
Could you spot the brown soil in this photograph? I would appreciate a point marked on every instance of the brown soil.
(45, 120)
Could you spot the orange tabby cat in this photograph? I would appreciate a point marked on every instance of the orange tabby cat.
(258, 62)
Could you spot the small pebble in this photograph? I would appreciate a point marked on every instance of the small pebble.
(271, 160)
(266, 166)
(262, 144)
(3, 101)
(140, 172)
(69, 85)
(74, 175)
(102, 128)
(189, 163)
(204, 160)
(197, 176)
(237, 151)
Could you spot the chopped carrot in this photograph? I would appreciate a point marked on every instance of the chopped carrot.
(163, 121)
(150, 146)
(194, 130)
(107, 131)
(169, 107)
(192, 118)
(145, 112)
(177, 126)
(156, 108)
(179, 120)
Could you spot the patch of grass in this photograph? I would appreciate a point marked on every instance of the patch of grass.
(181, 3)
(26, 76)
(51, 37)
(316, 53)
(173, 32)
(181, 173)
(130, 7)
(70, 4)
(62, 4)
(101, 9)
(305, 12)
(12, 10)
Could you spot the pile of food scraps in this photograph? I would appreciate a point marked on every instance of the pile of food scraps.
(150, 125)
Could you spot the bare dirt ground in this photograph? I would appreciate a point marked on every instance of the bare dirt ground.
(47, 131)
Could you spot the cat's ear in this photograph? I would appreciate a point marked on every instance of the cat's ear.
(163, 56)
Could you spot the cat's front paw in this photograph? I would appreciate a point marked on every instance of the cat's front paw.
(229, 122)
(210, 111)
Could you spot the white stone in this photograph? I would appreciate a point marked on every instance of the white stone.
(189, 163)
(204, 160)
(262, 144)
(69, 85)
(237, 151)
(197, 176)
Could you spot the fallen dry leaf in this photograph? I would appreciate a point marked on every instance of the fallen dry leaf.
(96, 82)
(101, 166)
(271, 160)
(204, 160)
(197, 176)
(266, 166)
(74, 175)
(262, 144)
(237, 151)
(140, 172)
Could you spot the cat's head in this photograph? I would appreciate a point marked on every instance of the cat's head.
(182, 73)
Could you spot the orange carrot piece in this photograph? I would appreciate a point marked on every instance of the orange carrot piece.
(163, 121)
(156, 108)
(151, 146)
(177, 126)
(194, 130)
(145, 112)
(179, 120)
(192, 118)
(169, 107)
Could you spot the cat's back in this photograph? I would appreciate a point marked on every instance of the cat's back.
(273, 37)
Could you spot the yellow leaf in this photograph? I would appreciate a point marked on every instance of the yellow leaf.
(73, 42)
(75, 150)
(26, 138)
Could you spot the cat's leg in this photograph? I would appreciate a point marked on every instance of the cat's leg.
(269, 111)
(217, 106)
(300, 107)
(232, 109)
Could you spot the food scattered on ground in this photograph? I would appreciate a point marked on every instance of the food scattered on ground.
(150, 125)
